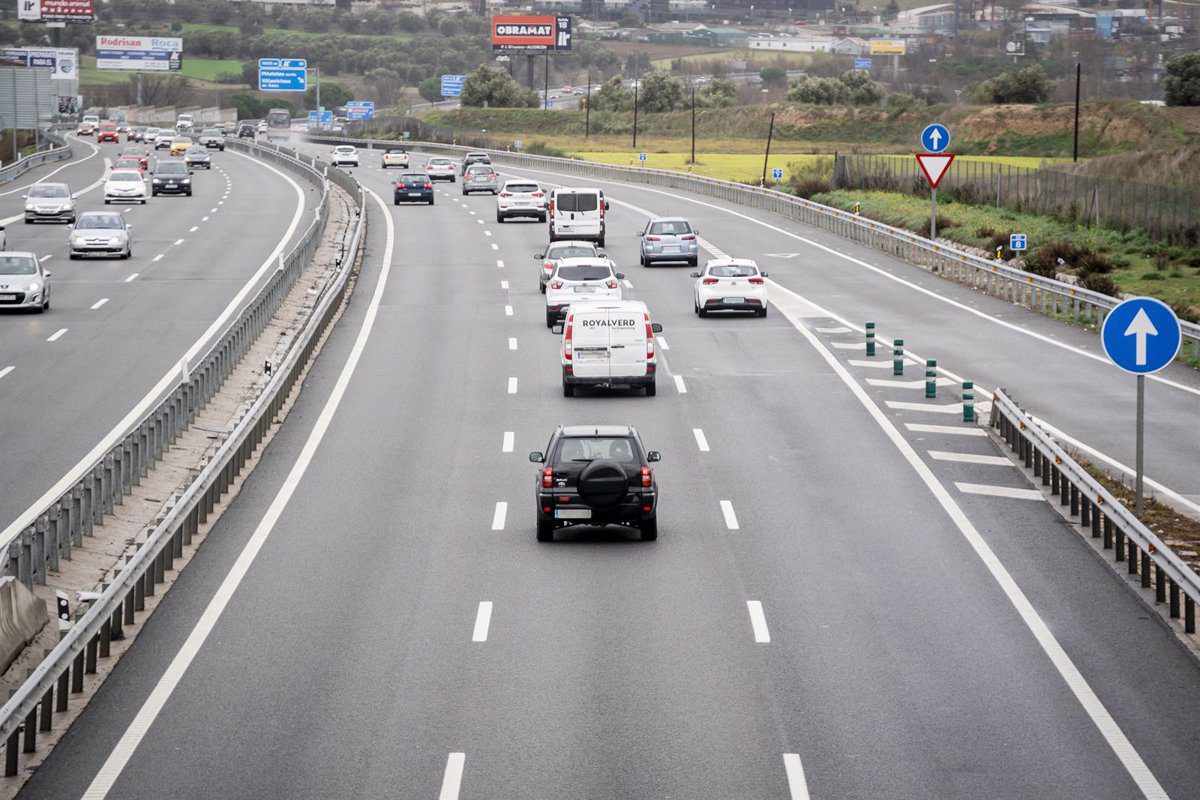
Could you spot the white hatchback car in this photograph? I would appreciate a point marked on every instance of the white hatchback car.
(395, 157)
(580, 280)
(521, 198)
(124, 185)
(440, 168)
(730, 284)
(344, 155)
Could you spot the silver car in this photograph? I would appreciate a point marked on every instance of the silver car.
(23, 282)
(197, 157)
(557, 251)
(101, 233)
(480, 178)
(49, 202)
(669, 239)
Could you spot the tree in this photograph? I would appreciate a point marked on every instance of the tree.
(612, 96)
(386, 83)
(430, 89)
(1183, 80)
(773, 76)
(860, 89)
(853, 88)
(630, 20)
(1026, 85)
(660, 92)
(332, 95)
(495, 88)
(719, 93)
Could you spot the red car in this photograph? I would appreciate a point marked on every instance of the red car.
(108, 133)
(136, 153)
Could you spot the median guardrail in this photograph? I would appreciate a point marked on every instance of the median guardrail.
(47, 691)
(1048, 295)
(1131, 541)
(58, 150)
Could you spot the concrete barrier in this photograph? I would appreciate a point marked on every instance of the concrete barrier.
(22, 616)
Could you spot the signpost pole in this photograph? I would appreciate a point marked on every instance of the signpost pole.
(546, 84)
(635, 99)
(693, 123)
(1141, 440)
(933, 213)
(587, 108)
(767, 156)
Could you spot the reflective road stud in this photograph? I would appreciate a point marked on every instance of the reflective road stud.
(931, 377)
(870, 339)
(968, 395)
(897, 356)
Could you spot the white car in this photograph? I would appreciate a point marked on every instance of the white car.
(124, 184)
(394, 157)
(548, 259)
(521, 198)
(213, 137)
(608, 344)
(580, 280)
(440, 168)
(150, 135)
(730, 284)
(344, 155)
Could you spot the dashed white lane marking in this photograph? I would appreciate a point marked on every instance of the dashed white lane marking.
(731, 521)
(452, 780)
(838, 329)
(999, 491)
(483, 619)
(485, 233)
(193, 229)
(951, 430)
(932, 408)
(512, 344)
(758, 621)
(628, 285)
(46, 257)
(99, 303)
(157, 258)
(499, 263)
(919, 383)
(701, 442)
(58, 334)
(969, 458)
(499, 515)
(797, 785)
(132, 277)
(473, 214)
(179, 241)
(5, 371)
(504, 284)
(662, 343)
(495, 246)
(204, 219)
(220, 202)
(512, 385)
(508, 312)
(870, 364)
(212, 211)
(679, 386)
(506, 446)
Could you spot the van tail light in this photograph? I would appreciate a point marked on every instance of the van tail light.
(688, 237)
(646, 477)
(653, 239)
(556, 284)
(611, 284)
(568, 345)
(757, 281)
(428, 185)
(506, 194)
(548, 478)
(649, 338)
(711, 281)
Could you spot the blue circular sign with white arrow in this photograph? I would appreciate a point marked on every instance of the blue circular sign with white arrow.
(1141, 335)
(935, 138)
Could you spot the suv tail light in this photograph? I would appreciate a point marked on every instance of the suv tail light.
(548, 266)
(556, 284)
(646, 477)
(611, 284)
(536, 194)
(757, 281)
(711, 281)
(649, 338)
(653, 239)
(548, 478)
(506, 194)
(690, 237)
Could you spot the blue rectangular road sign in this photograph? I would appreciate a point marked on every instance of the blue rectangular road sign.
(1017, 242)
(452, 85)
(862, 63)
(641, 156)
(360, 109)
(777, 174)
(282, 74)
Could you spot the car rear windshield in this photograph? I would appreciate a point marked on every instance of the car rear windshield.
(475, 158)
(171, 169)
(676, 228)
(522, 188)
(732, 271)
(125, 177)
(48, 190)
(17, 265)
(571, 251)
(441, 162)
(413, 177)
(394, 152)
(210, 132)
(584, 273)
(576, 202)
(480, 170)
(100, 221)
(579, 449)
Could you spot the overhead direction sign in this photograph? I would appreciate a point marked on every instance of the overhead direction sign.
(512, 33)
(1141, 335)
(935, 166)
(139, 53)
(282, 74)
(935, 138)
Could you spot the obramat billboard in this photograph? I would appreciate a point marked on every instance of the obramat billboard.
(530, 34)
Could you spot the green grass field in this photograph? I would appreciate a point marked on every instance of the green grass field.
(199, 68)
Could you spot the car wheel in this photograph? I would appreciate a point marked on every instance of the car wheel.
(600, 242)
(649, 529)
(499, 217)
(702, 312)
(73, 256)
(464, 191)
(651, 389)
(144, 199)
(762, 313)
(545, 530)
(542, 218)
(541, 287)
(431, 201)
(551, 318)
(568, 390)
(40, 309)
(107, 201)
(395, 202)
(453, 179)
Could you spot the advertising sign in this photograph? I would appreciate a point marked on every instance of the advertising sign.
(539, 34)
(139, 53)
(282, 74)
(888, 47)
(63, 62)
(56, 10)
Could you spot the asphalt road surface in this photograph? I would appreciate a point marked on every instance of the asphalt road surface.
(834, 609)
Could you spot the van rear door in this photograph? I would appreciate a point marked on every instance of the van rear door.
(626, 344)
(577, 213)
(589, 339)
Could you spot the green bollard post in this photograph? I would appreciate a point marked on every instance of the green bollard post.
(897, 356)
(968, 395)
(870, 339)
(931, 377)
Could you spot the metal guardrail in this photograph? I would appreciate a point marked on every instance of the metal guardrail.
(61, 673)
(999, 280)
(58, 151)
(36, 540)
(1099, 510)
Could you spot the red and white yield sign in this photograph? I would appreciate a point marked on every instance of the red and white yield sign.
(935, 166)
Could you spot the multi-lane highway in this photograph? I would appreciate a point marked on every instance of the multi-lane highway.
(853, 594)
(100, 356)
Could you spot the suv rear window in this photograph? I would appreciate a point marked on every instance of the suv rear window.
(579, 449)
(676, 228)
(522, 188)
(584, 273)
(572, 201)
(571, 251)
(172, 168)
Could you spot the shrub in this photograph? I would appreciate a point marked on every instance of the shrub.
(1101, 284)
(808, 186)
(1089, 263)
(543, 149)
(1152, 276)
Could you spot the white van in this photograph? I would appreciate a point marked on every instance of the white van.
(577, 214)
(608, 344)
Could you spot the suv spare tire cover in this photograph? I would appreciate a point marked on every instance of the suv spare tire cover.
(603, 483)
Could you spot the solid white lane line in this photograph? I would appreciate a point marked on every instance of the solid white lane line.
(483, 618)
(969, 458)
(758, 621)
(157, 258)
(508, 311)
(495, 246)
(679, 384)
(662, 343)
(452, 780)
(500, 263)
(507, 445)
(838, 329)
(870, 364)
(999, 491)
(132, 277)
(701, 442)
(512, 343)
(512, 385)
(797, 785)
(114, 765)
(54, 337)
(499, 515)
(99, 303)
(179, 241)
(95, 149)
(932, 408)
(46, 257)
(951, 430)
(193, 229)
(731, 521)
(1076, 683)
(5, 371)
(504, 284)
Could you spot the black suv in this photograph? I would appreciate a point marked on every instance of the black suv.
(245, 131)
(596, 475)
(171, 177)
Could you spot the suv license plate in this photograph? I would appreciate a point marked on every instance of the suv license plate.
(733, 300)
(572, 513)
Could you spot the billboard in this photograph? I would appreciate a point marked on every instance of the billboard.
(888, 47)
(530, 34)
(63, 62)
(56, 10)
(139, 53)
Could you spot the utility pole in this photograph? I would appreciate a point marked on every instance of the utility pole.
(635, 104)
(1078, 75)
(693, 123)
(587, 108)
(767, 157)
(546, 84)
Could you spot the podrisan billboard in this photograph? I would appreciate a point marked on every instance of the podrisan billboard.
(139, 53)
(530, 34)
